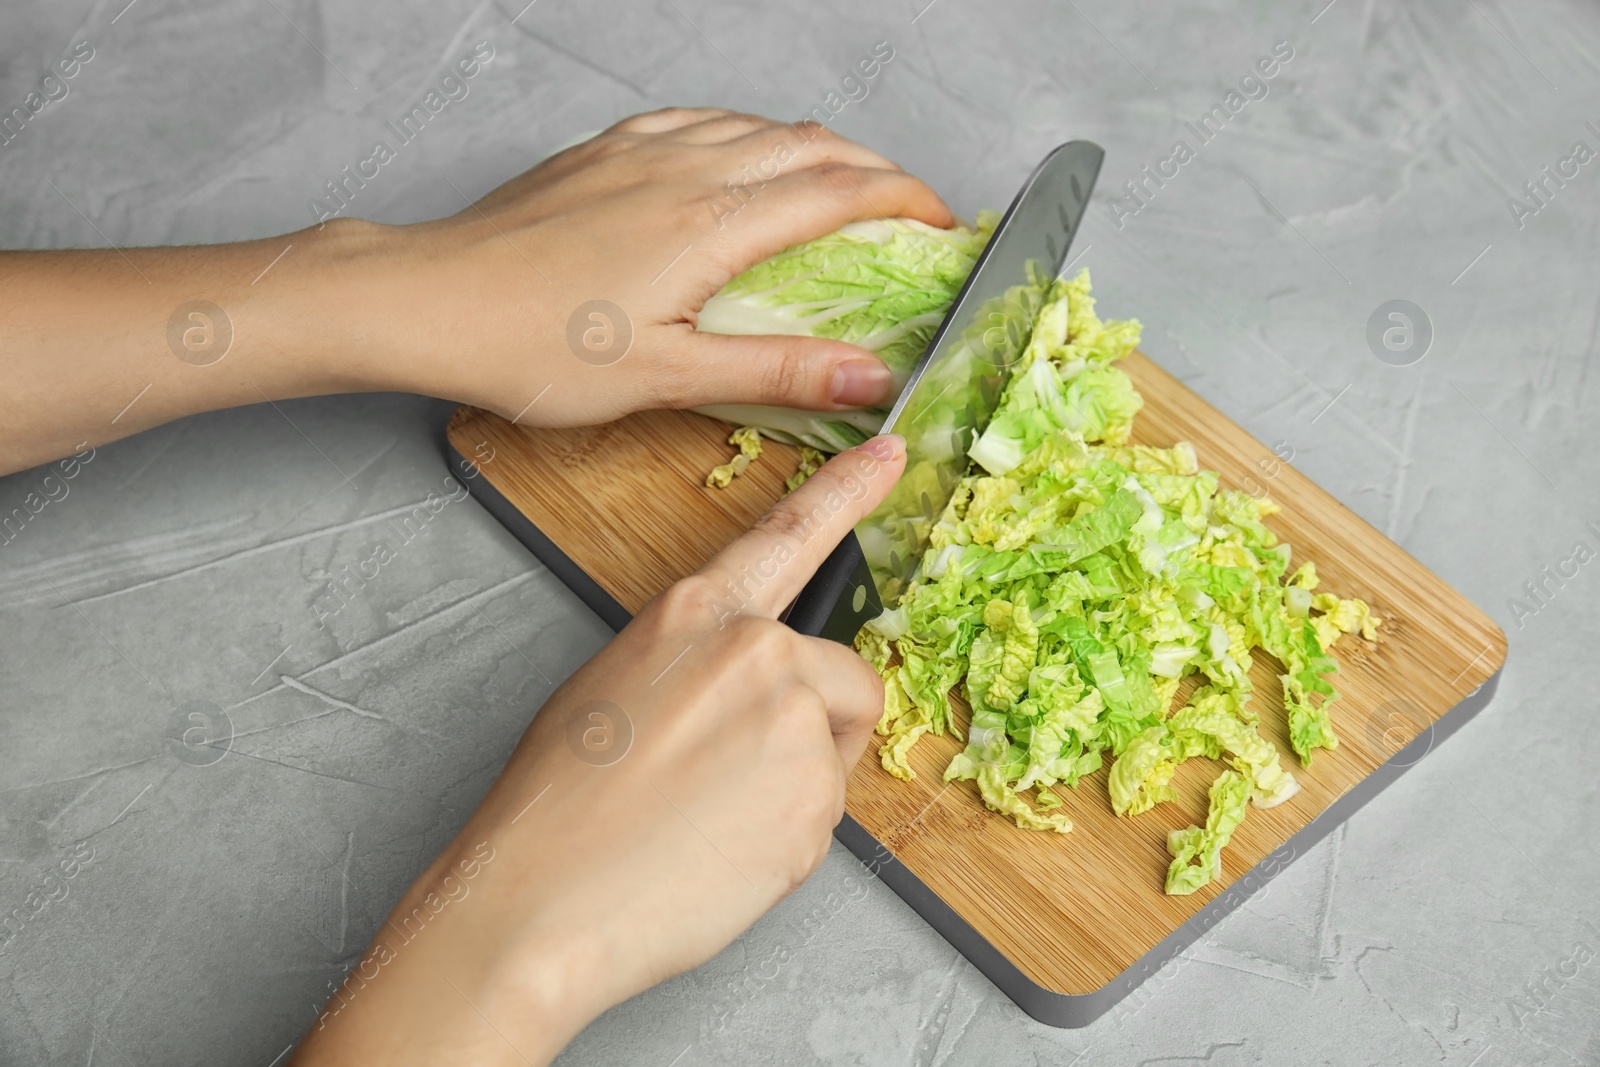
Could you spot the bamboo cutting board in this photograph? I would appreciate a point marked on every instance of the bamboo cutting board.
(1066, 925)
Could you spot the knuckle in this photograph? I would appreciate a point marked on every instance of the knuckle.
(812, 130)
(838, 178)
(767, 643)
(669, 380)
(632, 122)
(784, 522)
(610, 142)
(648, 118)
(739, 120)
(784, 374)
(869, 711)
(747, 648)
(711, 208)
(687, 604)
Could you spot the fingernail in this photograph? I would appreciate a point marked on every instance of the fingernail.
(860, 382)
(885, 446)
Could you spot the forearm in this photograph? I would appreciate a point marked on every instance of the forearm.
(464, 970)
(501, 305)
(99, 344)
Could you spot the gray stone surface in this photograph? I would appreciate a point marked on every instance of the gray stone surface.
(221, 901)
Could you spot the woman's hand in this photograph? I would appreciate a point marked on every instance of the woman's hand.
(567, 296)
(575, 287)
(671, 791)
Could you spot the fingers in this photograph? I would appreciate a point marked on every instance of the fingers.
(667, 118)
(811, 144)
(813, 373)
(796, 207)
(850, 688)
(844, 193)
(767, 567)
(726, 127)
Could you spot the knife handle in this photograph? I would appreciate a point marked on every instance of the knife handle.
(840, 597)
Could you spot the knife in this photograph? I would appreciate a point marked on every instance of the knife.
(951, 395)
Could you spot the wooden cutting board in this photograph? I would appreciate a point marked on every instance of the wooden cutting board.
(1065, 924)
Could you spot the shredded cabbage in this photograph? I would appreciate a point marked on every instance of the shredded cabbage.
(810, 461)
(748, 440)
(1075, 580)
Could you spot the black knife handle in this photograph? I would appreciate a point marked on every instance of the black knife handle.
(840, 597)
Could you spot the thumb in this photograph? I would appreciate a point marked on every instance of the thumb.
(813, 373)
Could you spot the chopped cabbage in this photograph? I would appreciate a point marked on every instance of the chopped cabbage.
(1075, 580)
(810, 461)
(748, 440)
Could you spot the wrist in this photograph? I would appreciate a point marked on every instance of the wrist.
(538, 981)
(541, 974)
(462, 970)
(452, 309)
(355, 310)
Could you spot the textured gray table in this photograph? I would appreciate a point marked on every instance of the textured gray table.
(211, 907)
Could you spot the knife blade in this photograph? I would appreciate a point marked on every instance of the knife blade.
(951, 395)
(954, 389)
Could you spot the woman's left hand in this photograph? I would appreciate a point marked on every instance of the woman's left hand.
(569, 295)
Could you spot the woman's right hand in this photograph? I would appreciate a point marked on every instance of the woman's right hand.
(669, 793)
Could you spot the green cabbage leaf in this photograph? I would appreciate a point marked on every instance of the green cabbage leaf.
(1072, 585)
(883, 285)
